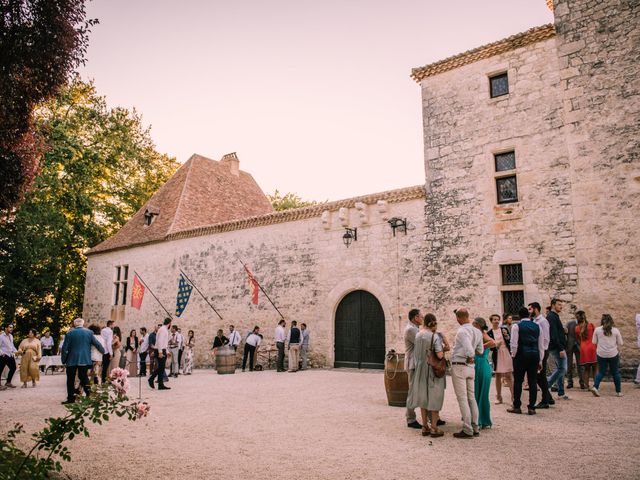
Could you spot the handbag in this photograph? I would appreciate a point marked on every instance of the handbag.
(439, 365)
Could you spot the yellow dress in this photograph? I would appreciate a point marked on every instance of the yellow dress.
(31, 352)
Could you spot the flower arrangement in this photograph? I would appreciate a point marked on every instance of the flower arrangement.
(48, 448)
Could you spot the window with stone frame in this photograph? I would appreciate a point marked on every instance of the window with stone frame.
(120, 285)
(506, 181)
(499, 85)
(512, 289)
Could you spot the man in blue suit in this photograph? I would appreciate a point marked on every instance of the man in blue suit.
(76, 355)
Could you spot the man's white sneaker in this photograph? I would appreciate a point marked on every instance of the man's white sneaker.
(595, 391)
(564, 397)
(618, 394)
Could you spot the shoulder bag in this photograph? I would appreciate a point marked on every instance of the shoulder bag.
(439, 365)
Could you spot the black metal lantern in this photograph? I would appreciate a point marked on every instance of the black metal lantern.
(398, 223)
(349, 236)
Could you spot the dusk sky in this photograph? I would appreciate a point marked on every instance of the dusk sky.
(314, 96)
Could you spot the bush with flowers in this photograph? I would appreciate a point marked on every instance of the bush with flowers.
(48, 444)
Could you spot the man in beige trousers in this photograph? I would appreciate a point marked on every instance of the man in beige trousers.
(294, 339)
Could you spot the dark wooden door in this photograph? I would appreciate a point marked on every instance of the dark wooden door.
(360, 341)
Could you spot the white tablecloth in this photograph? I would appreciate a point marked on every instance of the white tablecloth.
(51, 361)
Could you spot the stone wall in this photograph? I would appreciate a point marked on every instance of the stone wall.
(599, 60)
(303, 265)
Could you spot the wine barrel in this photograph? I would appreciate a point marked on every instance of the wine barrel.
(396, 380)
(225, 360)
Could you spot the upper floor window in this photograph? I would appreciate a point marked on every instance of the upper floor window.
(120, 285)
(506, 182)
(499, 85)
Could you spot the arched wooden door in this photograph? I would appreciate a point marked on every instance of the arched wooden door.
(360, 341)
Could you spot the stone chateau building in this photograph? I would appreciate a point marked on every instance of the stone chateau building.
(532, 190)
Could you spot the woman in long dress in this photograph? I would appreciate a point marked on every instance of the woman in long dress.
(188, 353)
(588, 360)
(117, 353)
(427, 390)
(501, 356)
(131, 351)
(31, 352)
(483, 375)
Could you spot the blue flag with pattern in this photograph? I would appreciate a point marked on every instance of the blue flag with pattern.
(184, 292)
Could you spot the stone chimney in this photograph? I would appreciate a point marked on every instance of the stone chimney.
(232, 161)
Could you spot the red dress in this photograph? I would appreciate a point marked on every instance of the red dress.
(587, 348)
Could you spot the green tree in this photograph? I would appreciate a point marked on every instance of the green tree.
(288, 200)
(100, 166)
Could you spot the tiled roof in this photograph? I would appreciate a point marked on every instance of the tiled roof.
(202, 192)
(533, 35)
(390, 196)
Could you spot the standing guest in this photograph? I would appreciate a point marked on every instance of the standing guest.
(47, 344)
(76, 355)
(234, 337)
(410, 332)
(180, 339)
(251, 343)
(507, 321)
(557, 348)
(116, 347)
(7, 355)
(608, 340)
(501, 357)
(426, 390)
(527, 350)
(174, 346)
(573, 354)
(467, 344)
(143, 351)
(96, 355)
(483, 375)
(584, 331)
(541, 321)
(188, 355)
(131, 352)
(294, 338)
(162, 346)
(219, 341)
(107, 336)
(60, 343)
(304, 348)
(280, 339)
(31, 352)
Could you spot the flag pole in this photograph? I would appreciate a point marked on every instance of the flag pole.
(153, 294)
(262, 289)
(198, 290)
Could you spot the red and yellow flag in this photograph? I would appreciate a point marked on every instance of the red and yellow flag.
(137, 293)
(253, 286)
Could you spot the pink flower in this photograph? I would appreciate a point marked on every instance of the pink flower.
(142, 409)
(118, 373)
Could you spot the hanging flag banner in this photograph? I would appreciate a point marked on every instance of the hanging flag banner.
(253, 286)
(137, 293)
(184, 292)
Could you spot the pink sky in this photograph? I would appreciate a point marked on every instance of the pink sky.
(314, 96)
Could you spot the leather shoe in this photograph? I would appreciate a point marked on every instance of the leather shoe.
(552, 402)
(462, 434)
(162, 387)
(476, 433)
(151, 383)
(531, 411)
(68, 402)
(414, 424)
(440, 422)
(542, 405)
(514, 410)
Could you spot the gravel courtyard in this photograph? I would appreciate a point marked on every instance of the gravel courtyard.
(336, 424)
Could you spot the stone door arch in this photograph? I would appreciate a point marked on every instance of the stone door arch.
(359, 331)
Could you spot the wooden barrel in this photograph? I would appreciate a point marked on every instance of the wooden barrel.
(396, 380)
(225, 360)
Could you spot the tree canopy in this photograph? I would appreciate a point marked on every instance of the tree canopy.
(288, 200)
(43, 42)
(99, 168)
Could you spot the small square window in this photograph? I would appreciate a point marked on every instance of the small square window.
(507, 188)
(505, 161)
(512, 274)
(512, 301)
(499, 85)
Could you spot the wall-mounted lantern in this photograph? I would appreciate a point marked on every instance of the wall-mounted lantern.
(399, 224)
(350, 235)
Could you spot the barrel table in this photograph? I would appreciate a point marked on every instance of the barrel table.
(225, 360)
(396, 380)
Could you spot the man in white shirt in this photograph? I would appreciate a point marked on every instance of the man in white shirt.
(304, 348)
(47, 346)
(541, 321)
(7, 355)
(162, 346)
(280, 339)
(410, 331)
(107, 335)
(143, 351)
(250, 345)
(467, 344)
(234, 337)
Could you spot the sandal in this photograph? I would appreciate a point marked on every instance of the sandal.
(436, 432)
(425, 432)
